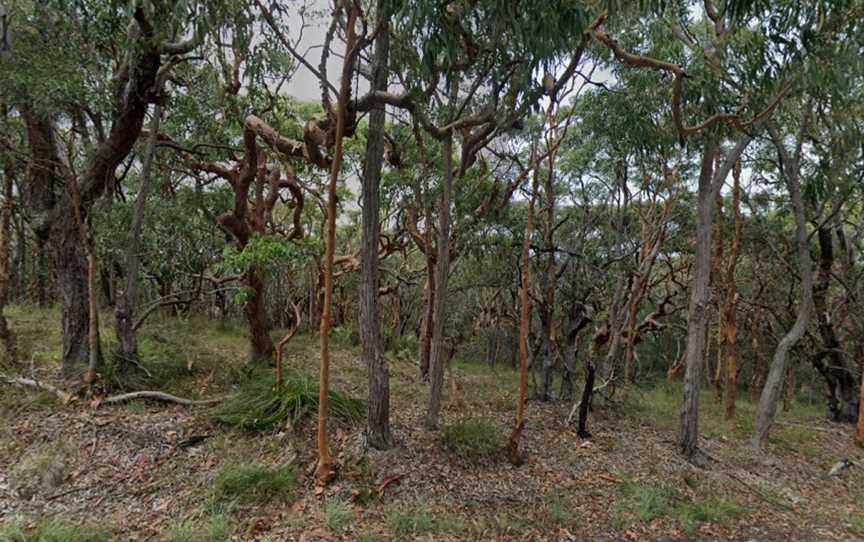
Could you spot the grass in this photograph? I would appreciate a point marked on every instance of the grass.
(56, 530)
(472, 439)
(215, 528)
(255, 483)
(411, 521)
(645, 502)
(337, 515)
(258, 405)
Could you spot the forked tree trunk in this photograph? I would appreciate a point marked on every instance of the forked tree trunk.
(378, 413)
(710, 182)
(325, 470)
(789, 169)
(127, 301)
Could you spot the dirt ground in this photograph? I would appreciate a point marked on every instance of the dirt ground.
(147, 471)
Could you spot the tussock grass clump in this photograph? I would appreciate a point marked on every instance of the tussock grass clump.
(259, 406)
(56, 530)
(472, 439)
(215, 528)
(643, 502)
(255, 482)
(338, 515)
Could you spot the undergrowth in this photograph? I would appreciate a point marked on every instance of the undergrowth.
(644, 502)
(258, 405)
(472, 439)
(56, 530)
(255, 482)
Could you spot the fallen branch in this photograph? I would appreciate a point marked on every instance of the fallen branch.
(158, 396)
(62, 395)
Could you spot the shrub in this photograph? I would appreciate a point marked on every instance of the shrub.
(255, 482)
(472, 439)
(258, 405)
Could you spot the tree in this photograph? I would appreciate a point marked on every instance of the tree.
(378, 419)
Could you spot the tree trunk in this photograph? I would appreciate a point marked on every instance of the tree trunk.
(842, 387)
(442, 272)
(789, 169)
(255, 308)
(6, 335)
(62, 239)
(378, 414)
(524, 327)
(550, 341)
(730, 303)
(325, 470)
(758, 379)
(710, 182)
(426, 328)
(127, 301)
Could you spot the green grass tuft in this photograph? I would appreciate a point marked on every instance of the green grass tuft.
(259, 406)
(472, 439)
(56, 530)
(337, 515)
(255, 482)
(216, 528)
(644, 502)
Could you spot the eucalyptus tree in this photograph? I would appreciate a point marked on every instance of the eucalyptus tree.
(741, 61)
(470, 68)
(104, 98)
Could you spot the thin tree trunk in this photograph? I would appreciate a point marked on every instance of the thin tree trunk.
(378, 414)
(524, 327)
(551, 343)
(730, 321)
(774, 382)
(710, 182)
(127, 301)
(436, 351)
(758, 378)
(325, 470)
(6, 334)
(426, 327)
(442, 272)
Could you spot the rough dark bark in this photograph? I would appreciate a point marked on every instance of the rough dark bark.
(52, 218)
(378, 413)
(842, 386)
(49, 204)
(6, 334)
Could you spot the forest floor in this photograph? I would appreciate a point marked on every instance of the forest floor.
(85, 471)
